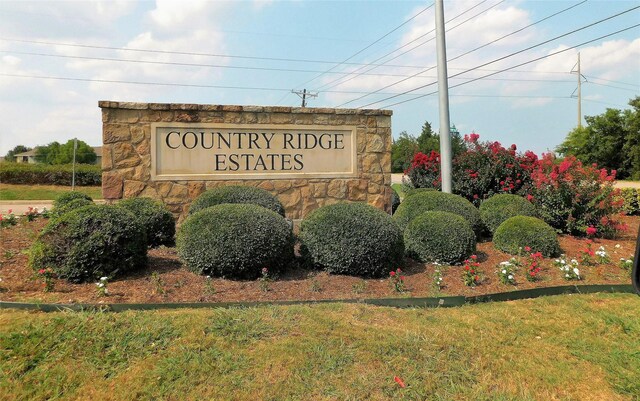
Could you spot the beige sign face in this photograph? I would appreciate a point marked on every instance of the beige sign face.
(195, 151)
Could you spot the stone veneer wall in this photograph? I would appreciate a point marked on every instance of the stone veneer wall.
(126, 158)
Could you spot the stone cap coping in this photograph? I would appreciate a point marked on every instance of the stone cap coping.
(106, 104)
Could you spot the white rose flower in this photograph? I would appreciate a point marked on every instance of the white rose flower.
(576, 271)
(510, 277)
(504, 271)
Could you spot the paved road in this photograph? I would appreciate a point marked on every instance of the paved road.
(18, 207)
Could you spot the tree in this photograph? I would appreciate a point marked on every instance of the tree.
(55, 153)
(611, 140)
(402, 151)
(10, 156)
(429, 140)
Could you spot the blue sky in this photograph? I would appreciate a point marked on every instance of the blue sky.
(530, 106)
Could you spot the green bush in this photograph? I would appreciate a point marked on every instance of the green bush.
(158, 222)
(91, 242)
(70, 196)
(351, 238)
(395, 200)
(414, 191)
(500, 207)
(235, 241)
(424, 201)
(519, 232)
(442, 237)
(42, 174)
(237, 194)
(73, 204)
(631, 201)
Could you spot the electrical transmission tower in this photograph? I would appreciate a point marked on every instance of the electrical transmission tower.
(304, 94)
(576, 70)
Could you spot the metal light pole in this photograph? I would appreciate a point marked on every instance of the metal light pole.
(73, 175)
(443, 94)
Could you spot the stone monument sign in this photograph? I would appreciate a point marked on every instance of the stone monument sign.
(308, 157)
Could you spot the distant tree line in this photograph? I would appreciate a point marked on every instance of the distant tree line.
(56, 153)
(406, 146)
(611, 140)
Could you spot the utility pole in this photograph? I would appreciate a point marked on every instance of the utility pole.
(576, 70)
(443, 95)
(303, 94)
(73, 175)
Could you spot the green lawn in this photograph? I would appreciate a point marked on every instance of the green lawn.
(579, 347)
(42, 192)
(399, 190)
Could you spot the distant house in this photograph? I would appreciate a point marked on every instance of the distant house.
(30, 156)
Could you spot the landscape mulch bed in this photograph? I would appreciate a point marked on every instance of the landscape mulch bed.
(166, 280)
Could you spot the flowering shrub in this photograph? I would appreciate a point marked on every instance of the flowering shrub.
(101, 285)
(8, 219)
(506, 271)
(570, 270)
(47, 275)
(488, 168)
(484, 169)
(424, 171)
(588, 255)
(576, 199)
(437, 277)
(264, 280)
(626, 264)
(396, 279)
(602, 257)
(470, 272)
(533, 261)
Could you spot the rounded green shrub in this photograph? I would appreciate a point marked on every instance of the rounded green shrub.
(91, 242)
(499, 208)
(237, 194)
(415, 191)
(425, 201)
(442, 237)
(351, 238)
(158, 222)
(235, 241)
(73, 204)
(395, 200)
(518, 232)
(68, 197)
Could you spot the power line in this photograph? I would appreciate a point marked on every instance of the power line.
(610, 80)
(405, 45)
(472, 50)
(368, 46)
(506, 69)
(232, 56)
(156, 51)
(509, 55)
(613, 86)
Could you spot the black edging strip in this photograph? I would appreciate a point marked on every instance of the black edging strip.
(392, 302)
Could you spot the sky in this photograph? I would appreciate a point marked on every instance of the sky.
(59, 58)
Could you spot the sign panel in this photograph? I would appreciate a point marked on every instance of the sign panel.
(200, 151)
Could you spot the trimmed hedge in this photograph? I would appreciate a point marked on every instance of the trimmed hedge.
(518, 232)
(68, 197)
(442, 237)
(237, 194)
(424, 201)
(500, 207)
(415, 191)
(44, 174)
(351, 238)
(395, 200)
(235, 241)
(73, 204)
(91, 242)
(157, 221)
